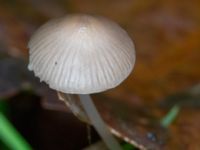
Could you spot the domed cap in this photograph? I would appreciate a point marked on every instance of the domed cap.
(81, 54)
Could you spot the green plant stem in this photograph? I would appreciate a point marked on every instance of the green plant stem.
(170, 117)
(10, 136)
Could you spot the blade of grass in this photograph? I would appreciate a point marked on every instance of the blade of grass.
(170, 117)
(10, 136)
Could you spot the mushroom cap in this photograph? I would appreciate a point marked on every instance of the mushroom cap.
(81, 54)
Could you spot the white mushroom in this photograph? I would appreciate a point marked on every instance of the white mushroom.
(82, 54)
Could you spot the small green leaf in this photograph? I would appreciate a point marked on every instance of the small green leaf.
(127, 146)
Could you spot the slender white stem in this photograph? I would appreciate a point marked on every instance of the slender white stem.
(98, 122)
(73, 102)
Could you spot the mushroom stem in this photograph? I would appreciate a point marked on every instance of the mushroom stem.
(73, 102)
(98, 122)
(87, 112)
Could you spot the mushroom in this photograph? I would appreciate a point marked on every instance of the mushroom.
(82, 54)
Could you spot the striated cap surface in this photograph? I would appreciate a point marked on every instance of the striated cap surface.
(81, 54)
